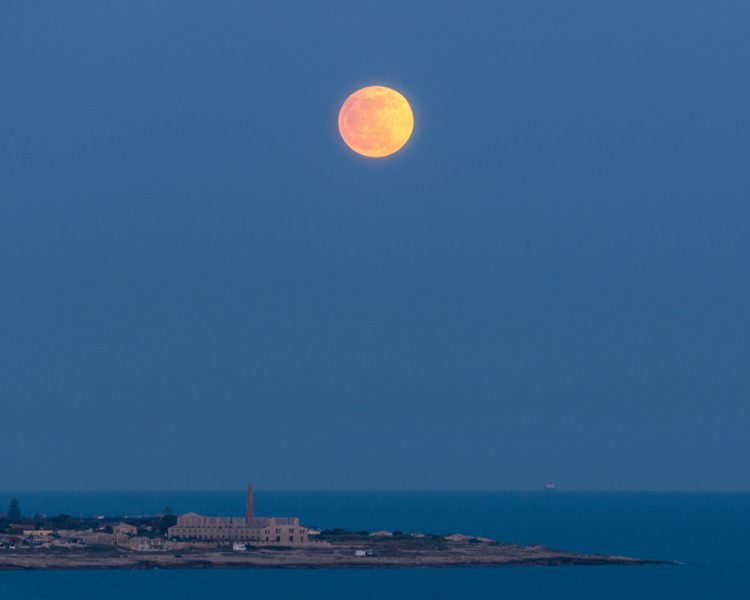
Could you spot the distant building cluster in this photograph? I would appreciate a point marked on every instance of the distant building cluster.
(123, 535)
(274, 531)
(155, 533)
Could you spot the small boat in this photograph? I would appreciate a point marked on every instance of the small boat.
(550, 487)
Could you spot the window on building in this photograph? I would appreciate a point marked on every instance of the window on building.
(278, 538)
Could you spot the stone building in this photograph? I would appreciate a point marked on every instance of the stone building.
(105, 539)
(274, 531)
(124, 529)
(144, 544)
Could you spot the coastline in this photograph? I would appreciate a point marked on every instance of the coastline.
(334, 555)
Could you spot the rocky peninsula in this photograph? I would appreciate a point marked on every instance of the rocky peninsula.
(168, 541)
(335, 552)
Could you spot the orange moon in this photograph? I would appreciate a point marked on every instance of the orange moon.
(376, 121)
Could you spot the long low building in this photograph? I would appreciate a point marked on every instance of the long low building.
(276, 531)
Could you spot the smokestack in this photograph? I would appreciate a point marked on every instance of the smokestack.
(249, 512)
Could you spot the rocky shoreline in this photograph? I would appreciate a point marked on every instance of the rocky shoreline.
(381, 554)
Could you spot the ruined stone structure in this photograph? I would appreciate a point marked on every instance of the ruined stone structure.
(272, 531)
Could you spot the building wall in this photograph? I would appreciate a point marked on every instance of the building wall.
(144, 544)
(282, 531)
(124, 529)
(107, 539)
(273, 531)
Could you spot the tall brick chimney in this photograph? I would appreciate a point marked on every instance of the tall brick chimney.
(250, 511)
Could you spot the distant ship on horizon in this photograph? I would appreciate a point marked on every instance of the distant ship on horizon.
(550, 486)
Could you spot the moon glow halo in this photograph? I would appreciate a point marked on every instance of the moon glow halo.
(376, 121)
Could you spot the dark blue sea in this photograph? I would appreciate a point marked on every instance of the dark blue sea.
(708, 533)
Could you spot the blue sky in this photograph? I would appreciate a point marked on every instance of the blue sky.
(201, 283)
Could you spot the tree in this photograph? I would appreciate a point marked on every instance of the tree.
(167, 521)
(14, 510)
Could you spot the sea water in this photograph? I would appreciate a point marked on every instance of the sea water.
(708, 533)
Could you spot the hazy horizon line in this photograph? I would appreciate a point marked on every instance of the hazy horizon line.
(383, 491)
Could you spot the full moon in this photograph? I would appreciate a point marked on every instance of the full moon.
(376, 121)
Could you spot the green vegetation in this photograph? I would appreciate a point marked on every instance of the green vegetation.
(168, 520)
(64, 521)
(14, 510)
(338, 532)
(335, 532)
(149, 526)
